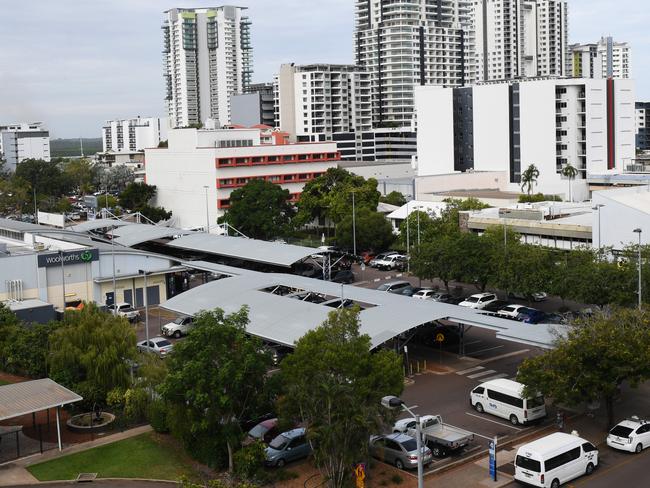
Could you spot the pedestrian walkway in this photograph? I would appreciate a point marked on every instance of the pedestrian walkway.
(15, 472)
(482, 374)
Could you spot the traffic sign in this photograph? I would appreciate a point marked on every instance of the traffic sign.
(440, 337)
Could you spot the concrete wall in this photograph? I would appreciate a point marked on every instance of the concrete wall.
(623, 210)
(435, 119)
(246, 109)
(491, 134)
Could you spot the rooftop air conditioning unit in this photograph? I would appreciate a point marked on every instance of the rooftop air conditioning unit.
(39, 246)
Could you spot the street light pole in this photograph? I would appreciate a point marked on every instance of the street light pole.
(597, 208)
(62, 277)
(395, 402)
(418, 211)
(113, 258)
(639, 231)
(207, 211)
(408, 240)
(354, 227)
(146, 306)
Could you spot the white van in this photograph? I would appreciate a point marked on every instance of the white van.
(555, 459)
(504, 398)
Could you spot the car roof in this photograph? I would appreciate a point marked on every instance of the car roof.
(632, 424)
(269, 422)
(399, 437)
(552, 443)
(481, 295)
(504, 384)
(293, 433)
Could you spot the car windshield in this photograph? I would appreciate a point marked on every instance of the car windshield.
(621, 431)
(535, 402)
(163, 343)
(179, 320)
(384, 287)
(410, 445)
(472, 299)
(258, 431)
(529, 464)
(279, 443)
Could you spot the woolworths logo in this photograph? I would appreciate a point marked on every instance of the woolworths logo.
(69, 257)
(86, 256)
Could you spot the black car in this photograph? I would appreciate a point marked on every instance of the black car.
(343, 276)
(495, 306)
(454, 300)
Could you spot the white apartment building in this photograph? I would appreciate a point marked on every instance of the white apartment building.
(507, 126)
(318, 100)
(404, 43)
(603, 59)
(199, 169)
(207, 58)
(520, 38)
(26, 140)
(132, 135)
(395, 145)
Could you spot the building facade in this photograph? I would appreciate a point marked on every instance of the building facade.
(603, 59)
(642, 126)
(133, 135)
(199, 169)
(507, 126)
(207, 58)
(520, 38)
(404, 43)
(397, 145)
(255, 107)
(24, 141)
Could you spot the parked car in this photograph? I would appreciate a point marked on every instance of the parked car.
(512, 311)
(343, 276)
(632, 435)
(454, 300)
(495, 306)
(380, 257)
(440, 437)
(265, 431)
(538, 296)
(286, 447)
(407, 291)
(125, 310)
(394, 261)
(394, 286)
(400, 450)
(179, 327)
(157, 345)
(441, 297)
(425, 294)
(478, 301)
(531, 316)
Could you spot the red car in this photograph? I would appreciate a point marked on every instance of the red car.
(265, 431)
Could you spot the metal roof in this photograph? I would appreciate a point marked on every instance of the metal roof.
(33, 396)
(275, 253)
(20, 226)
(134, 234)
(284, 320)
(98, 224)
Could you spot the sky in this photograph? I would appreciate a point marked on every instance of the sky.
(74, 64)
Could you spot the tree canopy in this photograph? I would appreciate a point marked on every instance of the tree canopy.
(373, 231)
(260, 210)
(333, 383)
(137, 197)
(394, 198)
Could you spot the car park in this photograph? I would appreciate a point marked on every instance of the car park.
(504, 398)
(399, 450)
(555, 459)
(478, 300)
(380, 257)
(631, 435)
(425, 294)
(394, 286)
(431, 334)
(265, 431)
(179, 327)
(440, 437)
(286, 447)
(495, 306)
(343, 276)
(512, 311)
(157, 345)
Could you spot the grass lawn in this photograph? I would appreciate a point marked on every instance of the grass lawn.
(3, 382)
(145, 456)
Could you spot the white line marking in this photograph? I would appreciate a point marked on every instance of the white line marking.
(494, 422)
(495, 377)
(473, 342)
(465, 371)
(482, 373)
(486, 350)
(399, 275)
(376, 280)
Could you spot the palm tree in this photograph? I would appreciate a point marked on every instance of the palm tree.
(529, 178)
(570, 172)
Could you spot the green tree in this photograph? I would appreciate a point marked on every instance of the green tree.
(373, 231)
(89, 352)
(438, 258)
(334, 384)
(529, 178)
(476, 259)
(137, 195)
(596, 357)
(15, 196)
(80, 174)
(570, 173)
(43, 176)
(428, 228)
(155, 214)
(216, 379)
(260, 210)
(115, 178)
(394, 198)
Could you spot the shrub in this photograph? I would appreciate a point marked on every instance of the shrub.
(249, 462)
(539, 197)
(115, 398)
(157, 416)
(396, 479)
(135, 404)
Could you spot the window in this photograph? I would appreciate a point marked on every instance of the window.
(588, 447)
(562, 459)
(529, 464)
(507, 399)
(479, 390)
(390, 444)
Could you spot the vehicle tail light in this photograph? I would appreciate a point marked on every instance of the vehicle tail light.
(413, 458)
(525, 414)
(541, 478)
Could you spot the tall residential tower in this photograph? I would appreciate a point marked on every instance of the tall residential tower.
(207, 58)
(603, 59)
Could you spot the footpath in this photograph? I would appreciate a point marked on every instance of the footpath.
(15, 472)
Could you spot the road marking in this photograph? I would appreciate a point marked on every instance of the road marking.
(376, 280)
(494, 422)
(399, 275)
(506, 355)
(486, 350)
(495, 377)
(482, 373)
(465, 371)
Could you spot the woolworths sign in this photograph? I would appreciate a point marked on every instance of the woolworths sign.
(69, 257)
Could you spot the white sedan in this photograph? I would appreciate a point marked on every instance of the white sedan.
(632, 435)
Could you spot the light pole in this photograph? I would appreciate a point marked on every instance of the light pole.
(146, 305)
(35, 208)
(417, 209)
(393, 402)
(597, 208)
(354, 227)
(207, 211)
(408, 240)
(113, 258)
(639, 231)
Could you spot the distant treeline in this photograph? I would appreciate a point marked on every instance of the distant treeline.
(62, 148)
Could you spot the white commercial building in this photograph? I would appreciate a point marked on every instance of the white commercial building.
(24, 141)
(198, 171)
(207, 58)
(403, 43)
(316, 101)
(520, 38)
(620, 212)
(505, 127)
(131, 135)
(603, 59)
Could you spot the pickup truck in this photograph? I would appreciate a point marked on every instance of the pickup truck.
(441, 438)
(125, 310)
(179, 327)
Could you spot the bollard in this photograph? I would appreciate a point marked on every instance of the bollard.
(425, 365)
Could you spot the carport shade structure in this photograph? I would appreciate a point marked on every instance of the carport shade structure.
(284, 320)
(34, 396)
